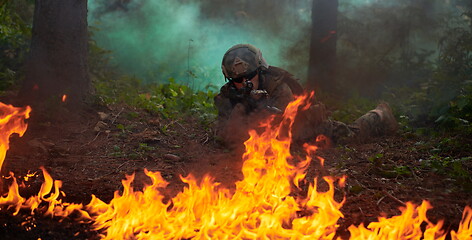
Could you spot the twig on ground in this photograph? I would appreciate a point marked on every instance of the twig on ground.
(413, 173)
(175, 122)
(206, 138)
(121, 165)
(178, 123)
(394, 198)
(95, 138)
(362, 212)
(380, 200)
(114, 119)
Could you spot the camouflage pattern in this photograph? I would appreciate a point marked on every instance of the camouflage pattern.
(242, 59)
(373, 124)
(273, 80)
(377, 122)
(368, 125)
(236, 116)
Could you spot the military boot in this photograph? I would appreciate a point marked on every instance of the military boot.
(388, 122)
(377, 122)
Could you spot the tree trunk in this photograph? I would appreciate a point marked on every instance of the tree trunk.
(57, 64)
(322, 64)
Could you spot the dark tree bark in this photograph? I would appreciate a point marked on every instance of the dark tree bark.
(322, 65)
(57, 64)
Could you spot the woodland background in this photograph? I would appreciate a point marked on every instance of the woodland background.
(154, 68)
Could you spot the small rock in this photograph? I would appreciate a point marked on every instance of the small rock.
(103, 116)
(100, 126)
(154, 122)
(172, 157)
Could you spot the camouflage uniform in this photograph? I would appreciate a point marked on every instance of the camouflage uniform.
(236, 115)
(240, 108)
(274, 80)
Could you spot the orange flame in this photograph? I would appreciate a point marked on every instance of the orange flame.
(405, 226)
(64, 98)
(261, 207)
(465, 228)
(54, 206)
(12, 120)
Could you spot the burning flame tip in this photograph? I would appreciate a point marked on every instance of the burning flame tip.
(262, 205)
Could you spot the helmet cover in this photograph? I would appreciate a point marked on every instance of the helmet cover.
(241, 60)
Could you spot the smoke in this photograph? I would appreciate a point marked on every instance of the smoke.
(186, 39)
(386, 44)
(379, 41)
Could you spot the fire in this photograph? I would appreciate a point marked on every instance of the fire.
(12, 120)
(405, 226)
(64, 98)
(47, 201)
(262, 206)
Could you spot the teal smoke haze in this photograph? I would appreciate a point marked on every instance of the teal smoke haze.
(160, 39)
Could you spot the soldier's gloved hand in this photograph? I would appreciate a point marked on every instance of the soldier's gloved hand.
(258, 94)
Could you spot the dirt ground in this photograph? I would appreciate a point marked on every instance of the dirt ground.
(91, 150)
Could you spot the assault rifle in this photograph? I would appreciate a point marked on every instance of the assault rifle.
(253, 99)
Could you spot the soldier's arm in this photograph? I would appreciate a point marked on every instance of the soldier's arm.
(281, 97)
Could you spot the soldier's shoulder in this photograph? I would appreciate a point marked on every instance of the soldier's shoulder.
(276, 71)
(281, 76)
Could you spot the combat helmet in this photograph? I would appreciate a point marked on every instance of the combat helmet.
(242, 60)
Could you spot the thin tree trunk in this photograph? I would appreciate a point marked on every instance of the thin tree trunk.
(57, 64)
(322, 64)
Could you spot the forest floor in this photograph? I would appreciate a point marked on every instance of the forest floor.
(92, 150)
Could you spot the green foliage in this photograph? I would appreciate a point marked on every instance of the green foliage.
(141, 152)
(349, 110)
(121, 127)
(376, 159)
(117, 152)
(15, 34)
(387, 169)
(402, 170)
(455, 168)
(443, 98)
(422, 64)
(99, 59)
(143, 147)
(384, 44)
(454, 76)
(446, 157)
(168, 99)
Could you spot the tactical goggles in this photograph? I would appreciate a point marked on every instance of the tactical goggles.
(241, 79)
